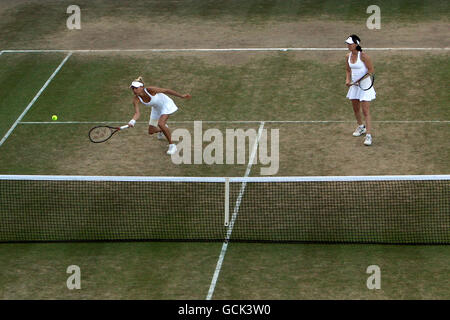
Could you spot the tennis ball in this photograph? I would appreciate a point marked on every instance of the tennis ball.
(54, 117)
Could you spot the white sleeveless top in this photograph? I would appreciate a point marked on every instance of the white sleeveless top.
(359, 69)
(160, 101)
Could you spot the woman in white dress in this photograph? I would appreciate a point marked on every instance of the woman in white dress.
(358, 64)
(162, 107)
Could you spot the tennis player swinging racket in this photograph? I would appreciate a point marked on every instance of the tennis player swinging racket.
(359, 66)
(162, 107)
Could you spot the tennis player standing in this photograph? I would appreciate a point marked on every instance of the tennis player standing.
(162, 107)
(358, 64)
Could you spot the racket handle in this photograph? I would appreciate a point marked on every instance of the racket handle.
(124, 127)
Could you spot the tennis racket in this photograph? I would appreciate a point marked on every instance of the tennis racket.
(365, 82)
(102, 133)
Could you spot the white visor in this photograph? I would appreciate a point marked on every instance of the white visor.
(350, 41)
(136, 84)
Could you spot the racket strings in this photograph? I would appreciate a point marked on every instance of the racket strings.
(366, 83)
(100, 133)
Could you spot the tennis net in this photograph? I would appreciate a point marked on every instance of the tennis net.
(368, 209)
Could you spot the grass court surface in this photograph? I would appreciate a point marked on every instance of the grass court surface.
(301, 93)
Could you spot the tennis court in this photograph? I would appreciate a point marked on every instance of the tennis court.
(83, 78)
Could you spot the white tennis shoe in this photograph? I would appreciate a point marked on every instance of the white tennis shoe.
(161, 135)
(172, 149)
(359, 131)
(368, 140)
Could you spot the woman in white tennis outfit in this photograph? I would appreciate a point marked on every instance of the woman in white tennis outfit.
(162, 107)
(358, 64)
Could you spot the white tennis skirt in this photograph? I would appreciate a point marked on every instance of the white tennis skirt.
(355, 92)
(157, 113)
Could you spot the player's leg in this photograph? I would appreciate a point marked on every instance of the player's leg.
(153, 123)
(357, 111)
(356, 104)
(366, 112)
(163, 127)
(153, 129)
(365, 105)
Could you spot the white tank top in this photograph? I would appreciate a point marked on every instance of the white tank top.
(159, 100)
(359, 69)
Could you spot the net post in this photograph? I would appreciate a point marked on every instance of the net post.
(227, 202)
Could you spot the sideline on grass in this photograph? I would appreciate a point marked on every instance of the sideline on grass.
(34, 100)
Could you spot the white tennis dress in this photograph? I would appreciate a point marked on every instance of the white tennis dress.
(161, 104)
(359, 69)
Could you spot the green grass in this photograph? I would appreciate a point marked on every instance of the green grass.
(136, 270)
(268, 87)
(262, 10)
(291, 272)
(264, 87)
(250, 271)
(25, 24)
(398, 149)
(275, 87)
(21, 77)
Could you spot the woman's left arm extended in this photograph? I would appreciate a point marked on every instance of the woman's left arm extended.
(171, 92)
(365, 58)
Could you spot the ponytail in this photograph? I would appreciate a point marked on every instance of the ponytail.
(140, 79)
(356, 40)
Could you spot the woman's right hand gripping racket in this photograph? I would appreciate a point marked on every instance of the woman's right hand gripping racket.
(102, 133)
(365, 82)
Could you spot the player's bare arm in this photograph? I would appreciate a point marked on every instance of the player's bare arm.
(168, 91)
(137, 112)
(365, 58)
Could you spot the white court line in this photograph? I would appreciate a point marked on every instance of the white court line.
(223, 179)
(34, 100)
(234, 121)
(233, 218)
(220, 50)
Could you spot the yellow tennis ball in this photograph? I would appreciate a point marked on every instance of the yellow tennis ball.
(54, 117)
